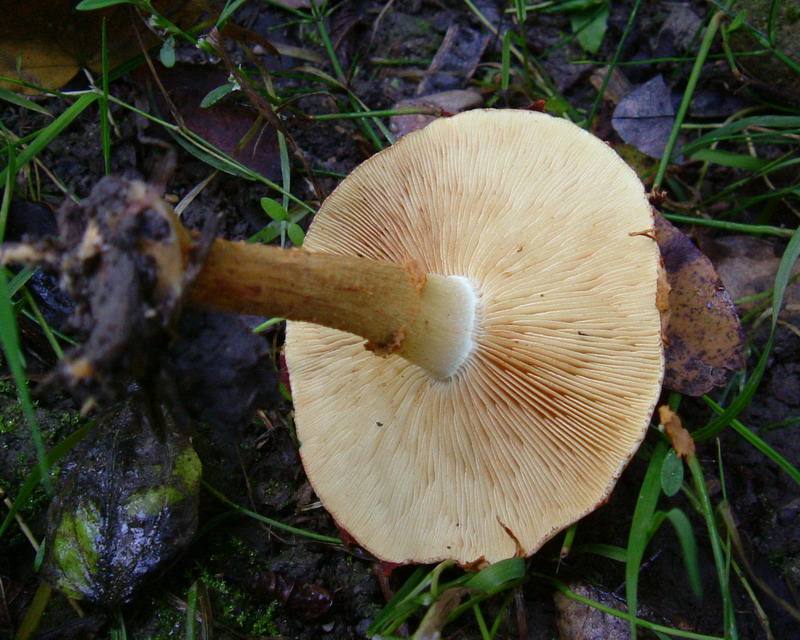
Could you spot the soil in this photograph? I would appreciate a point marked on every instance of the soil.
(257, 581)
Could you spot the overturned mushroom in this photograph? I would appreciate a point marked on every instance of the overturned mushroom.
(503, 266)
(536, 228)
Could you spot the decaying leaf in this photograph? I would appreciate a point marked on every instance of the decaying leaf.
(126, 503)
(46, 42)
(617, 87)
(704, 340)
(444, 103)
(682, 441)
(455, 61)
(644, 117)
(228, 125)
(678, 32)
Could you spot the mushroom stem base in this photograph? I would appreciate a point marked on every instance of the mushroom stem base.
(443, 334)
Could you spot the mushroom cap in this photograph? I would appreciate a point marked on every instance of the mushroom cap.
(533, 430)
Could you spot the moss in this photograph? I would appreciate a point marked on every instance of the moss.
(188, 468)
(184, 482)
(11, 419)
(75, 549)
(424, 27)
(166, 622)
(238, 547)
(150, 502)
(235, 608)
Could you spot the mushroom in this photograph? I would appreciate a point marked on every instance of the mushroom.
(501, 266)
(486, 443)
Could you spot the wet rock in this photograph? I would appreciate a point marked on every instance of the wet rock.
(126, 504)
(578, 621)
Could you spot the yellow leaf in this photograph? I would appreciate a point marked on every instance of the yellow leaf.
(682, 441)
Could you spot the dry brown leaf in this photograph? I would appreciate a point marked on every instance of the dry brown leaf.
(46, 42)
(704, 339)
(682, 441)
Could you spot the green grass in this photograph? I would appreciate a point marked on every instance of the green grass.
(739, 159)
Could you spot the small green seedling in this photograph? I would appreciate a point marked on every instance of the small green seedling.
(283, 224)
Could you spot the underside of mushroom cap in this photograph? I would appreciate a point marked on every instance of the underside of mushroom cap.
(530, 434)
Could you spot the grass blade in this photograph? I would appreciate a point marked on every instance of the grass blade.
(54, 455)
(790, 256)
(52, 131)
(10, 343)
(640, 529)
(18, 100)
(758, 443)
(720, 560)
(274, 523)
(688, 93)
(105, 118)
(683, 529)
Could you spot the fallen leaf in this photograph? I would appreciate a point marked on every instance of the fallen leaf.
(444, 103)
(716, 103)
(225, 123)
(46, 42)
(307, 600)
(617, 87)
(455, 61)
(682, 441)
(645, 116)
(678, 32)
(704, 339)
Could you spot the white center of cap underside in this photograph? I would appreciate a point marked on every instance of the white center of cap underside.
(444, 334)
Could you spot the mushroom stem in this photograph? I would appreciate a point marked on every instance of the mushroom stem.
(427, 319)
(373, 299)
